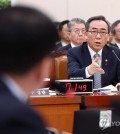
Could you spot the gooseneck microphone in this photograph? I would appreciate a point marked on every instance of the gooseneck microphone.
(113, 51)
(116, 55)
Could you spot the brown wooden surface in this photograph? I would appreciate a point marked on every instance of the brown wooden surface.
(57, 111)
(93, 102)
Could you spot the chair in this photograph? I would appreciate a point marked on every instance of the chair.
(60, 66)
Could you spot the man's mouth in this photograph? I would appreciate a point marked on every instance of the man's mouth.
(97, 43)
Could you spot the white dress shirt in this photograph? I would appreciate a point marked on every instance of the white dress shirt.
(118, 45)
(72, 45)
(92, 53)
(64, 44)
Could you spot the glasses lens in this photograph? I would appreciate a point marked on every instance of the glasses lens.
(95, 33)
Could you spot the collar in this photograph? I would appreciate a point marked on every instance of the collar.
(72, 45)
(14, 88)
(92, 52)
(118, 44)
(64, 43)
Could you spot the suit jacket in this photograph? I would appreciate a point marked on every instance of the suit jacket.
(58, 45)
(114, 45)
(17, 117)
(79, 58)
(64, 49)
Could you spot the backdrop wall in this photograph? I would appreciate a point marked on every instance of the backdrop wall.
(67, 9)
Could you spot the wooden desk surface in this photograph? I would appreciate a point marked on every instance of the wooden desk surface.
(57, 111)
(104, 101)
(54, 100)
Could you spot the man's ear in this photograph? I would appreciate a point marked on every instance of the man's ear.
(43, 70)
(86, 35)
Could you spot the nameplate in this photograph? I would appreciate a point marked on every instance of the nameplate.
(40, 92)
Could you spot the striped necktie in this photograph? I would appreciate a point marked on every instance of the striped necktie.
(97, 76)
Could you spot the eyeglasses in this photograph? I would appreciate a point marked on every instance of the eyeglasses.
(77, 31)
(95, 33)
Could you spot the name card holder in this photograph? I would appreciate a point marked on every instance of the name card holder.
(40, 92)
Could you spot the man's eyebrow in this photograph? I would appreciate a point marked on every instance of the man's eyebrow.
(97, 28)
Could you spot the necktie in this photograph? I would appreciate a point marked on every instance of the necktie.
(97, 76)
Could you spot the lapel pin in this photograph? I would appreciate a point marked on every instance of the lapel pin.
(106, 61)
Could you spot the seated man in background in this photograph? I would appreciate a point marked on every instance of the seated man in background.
(63, 38)
(76, 29)
(26, 36)
(95, 59)
(63, 34)
(115, 31)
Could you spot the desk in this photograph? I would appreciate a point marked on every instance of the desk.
(58, 111)
(97, 102)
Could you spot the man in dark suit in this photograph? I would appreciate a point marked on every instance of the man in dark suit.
(63, 34)
(24, 62)
(76, 28)
(115, 31)
(81, 60)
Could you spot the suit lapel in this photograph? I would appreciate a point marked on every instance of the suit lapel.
(105, 64)
(116, 45)
(68, 46)
(86, 56)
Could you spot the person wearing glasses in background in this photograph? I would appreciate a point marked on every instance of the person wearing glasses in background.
(115, 31)
(94, 59)
(76, 29)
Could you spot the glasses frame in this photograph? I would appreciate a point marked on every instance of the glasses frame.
(95, 33)
(77, 31)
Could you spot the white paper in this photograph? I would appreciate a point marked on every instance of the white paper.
(111, 87)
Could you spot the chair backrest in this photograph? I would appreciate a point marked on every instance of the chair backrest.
(61, 67)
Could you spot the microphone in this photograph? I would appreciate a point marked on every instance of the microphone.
(116, 55)
(113, 51)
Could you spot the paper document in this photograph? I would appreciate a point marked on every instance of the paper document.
(111, 87)
(51, 92)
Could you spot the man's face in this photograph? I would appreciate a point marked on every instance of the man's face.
(64, 33)
(117, 32)
(77, 34)
(97, 35)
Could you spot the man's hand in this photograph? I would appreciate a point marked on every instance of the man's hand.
(118, 86)
(95, 67)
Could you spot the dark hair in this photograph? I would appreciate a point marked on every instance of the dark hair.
(61, 24)
(113, 26)
(97, 18)
(26, 36)
(56, 24)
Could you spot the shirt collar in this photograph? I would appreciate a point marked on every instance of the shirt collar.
(72, 45)
(63, 43)
(14, 88)
(92, 52)
(118, 44)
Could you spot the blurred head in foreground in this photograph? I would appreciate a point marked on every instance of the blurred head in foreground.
(26, 38)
